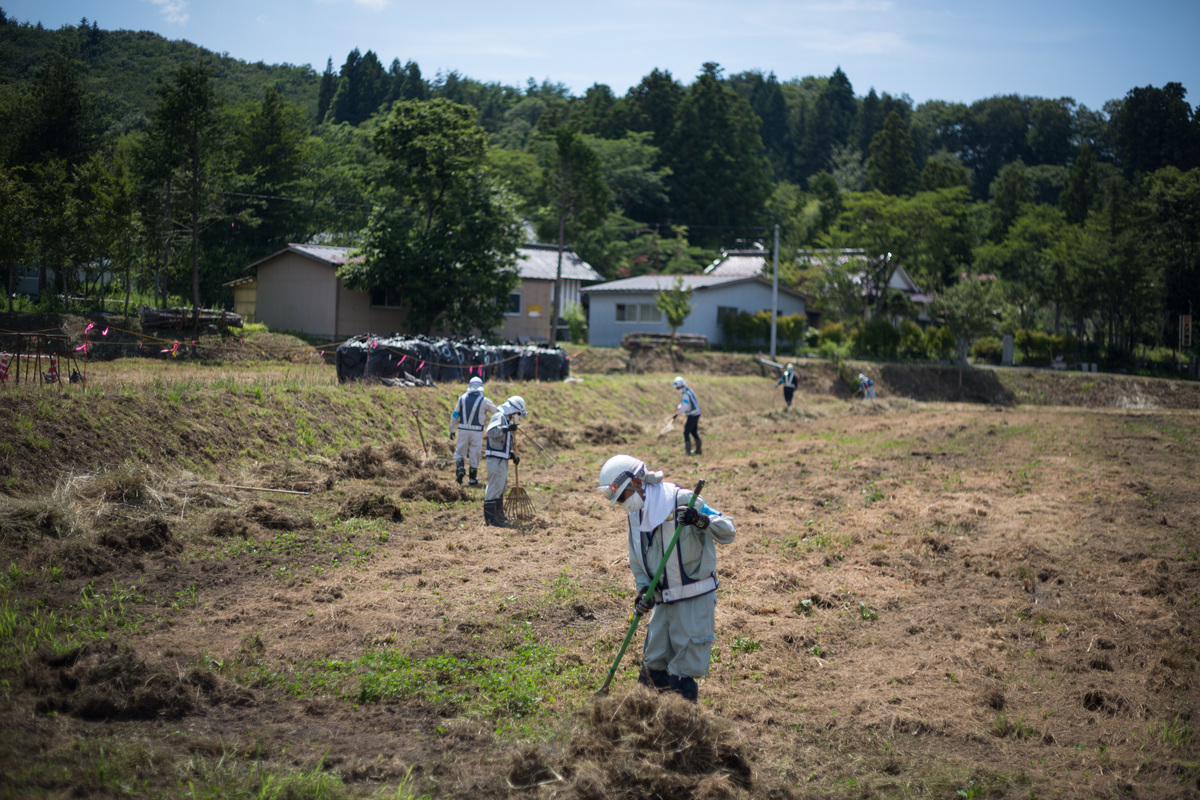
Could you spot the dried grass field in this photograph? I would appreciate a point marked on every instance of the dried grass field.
(925, 599)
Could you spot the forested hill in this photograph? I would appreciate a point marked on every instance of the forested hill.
(120, 69)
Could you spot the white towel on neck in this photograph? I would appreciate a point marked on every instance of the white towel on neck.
(660, 504)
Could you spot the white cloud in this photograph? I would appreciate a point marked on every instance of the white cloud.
(173, 11)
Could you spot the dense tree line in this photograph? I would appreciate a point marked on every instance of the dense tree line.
(176, 168)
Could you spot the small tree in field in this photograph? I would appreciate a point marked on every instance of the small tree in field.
(967, 310)
(675, 304)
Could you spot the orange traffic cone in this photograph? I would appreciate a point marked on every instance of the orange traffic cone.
(52, 375)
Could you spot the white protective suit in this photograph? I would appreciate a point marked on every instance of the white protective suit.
(471, 414)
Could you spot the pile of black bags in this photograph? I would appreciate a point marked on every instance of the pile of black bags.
(427, 360)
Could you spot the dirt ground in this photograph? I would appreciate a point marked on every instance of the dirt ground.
(924, 599)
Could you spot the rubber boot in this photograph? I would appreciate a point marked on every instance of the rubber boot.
(698, 451)
(493, 514)
(658, 679)
(687, 447)
(687, 687)
(459, 470)
(474, 481)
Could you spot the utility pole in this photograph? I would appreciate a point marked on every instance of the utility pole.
(775, 292)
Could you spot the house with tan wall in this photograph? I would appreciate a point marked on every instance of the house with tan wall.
(296, 289)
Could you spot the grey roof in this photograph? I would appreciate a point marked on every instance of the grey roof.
(540, 262)
(741, 262)
(327, 254)
(644, 284)
(534, 261)
(758, 262)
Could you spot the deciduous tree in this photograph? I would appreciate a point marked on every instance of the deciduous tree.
(444, 235)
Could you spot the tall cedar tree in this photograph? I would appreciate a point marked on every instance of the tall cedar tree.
(577, 197)
(187, 135)
(890, 165)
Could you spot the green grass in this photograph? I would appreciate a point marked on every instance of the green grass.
(519, 681)
(26, 625)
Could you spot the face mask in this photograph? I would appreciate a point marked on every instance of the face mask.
(633, 503)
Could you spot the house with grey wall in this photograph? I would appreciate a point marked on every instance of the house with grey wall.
(627, 306)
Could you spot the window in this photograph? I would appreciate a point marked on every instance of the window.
(386, 298)
(725, 314)
(514, 305)
(638, 312)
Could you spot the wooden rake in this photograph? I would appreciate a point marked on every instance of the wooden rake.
(518, 503)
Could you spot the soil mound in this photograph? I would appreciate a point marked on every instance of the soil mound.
(603, 433)
(120, 685)
(228, 524)
(397, 451)
(545, 436)
(291, 476)
(363, 463)
(138, 536)
(276, 518)
(641, 744)
(371, 506)
(426, 487)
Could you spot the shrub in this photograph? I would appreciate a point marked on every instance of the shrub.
(878, 338)
(1034, 344)
(939, 342)
(832, 332)
(576, 321)
(912, 340)
(989, 349)
(790, 329)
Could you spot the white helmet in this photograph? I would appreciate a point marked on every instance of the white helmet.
(616, 474)
(475, 384)
(514, 406)
(789, 367)
(679, 382)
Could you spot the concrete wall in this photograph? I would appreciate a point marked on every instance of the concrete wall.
(605, 331)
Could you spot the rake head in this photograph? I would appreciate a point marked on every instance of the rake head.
(519, 504)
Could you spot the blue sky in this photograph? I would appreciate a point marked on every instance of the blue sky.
(955, 50)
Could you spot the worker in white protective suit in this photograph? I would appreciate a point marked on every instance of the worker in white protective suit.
(469, 418)
(789, 382)
(682, 610)
(689, 406)
(499, 451)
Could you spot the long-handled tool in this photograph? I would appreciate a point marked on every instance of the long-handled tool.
(636, 618)
(518, 503)
(667, 427)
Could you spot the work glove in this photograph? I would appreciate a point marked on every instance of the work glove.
(690, 516)
(643, 603)
(509, 428)
(452, 436)
(516, 460)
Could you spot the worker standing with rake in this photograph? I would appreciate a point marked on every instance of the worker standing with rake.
(683, 604)
(499, 451)
(689, 406)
